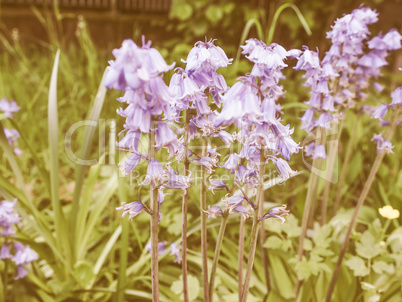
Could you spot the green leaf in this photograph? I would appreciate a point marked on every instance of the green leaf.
(367, 247)
(53, 134)
(273, 242)
(81, 167)
(83, 271)
(193, 287)
(305, 269)
(214, 13)
(181, 11)
(322, 235)
(380, 267)
(199, 28)
(357, 265)
(291, 227)
(308, 245)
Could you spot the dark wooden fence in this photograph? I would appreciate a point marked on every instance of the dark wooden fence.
(120, 6)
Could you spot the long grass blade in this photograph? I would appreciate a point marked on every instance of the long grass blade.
(53, 134)
(76, 229)
(124, 242)
(104, 196)
(270, 34)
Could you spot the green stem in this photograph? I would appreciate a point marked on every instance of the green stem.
(345, 164)
(254, 230)
(203, 207)
(153, 194)
(264, 257)
(5, 280)
(333, 151)
(311, 192)
(241, 250)
(359, 205)
(184, 210)
(216, 255)
(386, 226)
(124, 242)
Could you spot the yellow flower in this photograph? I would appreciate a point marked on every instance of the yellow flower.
(388, 212)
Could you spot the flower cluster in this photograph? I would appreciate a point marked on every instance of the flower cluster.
(20, 254)
(192, 87)
(251, 105)
(345, 71)
(139, 72)
(8, 108)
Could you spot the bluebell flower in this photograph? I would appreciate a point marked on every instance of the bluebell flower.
(174, 180)
(216, 184)
(276, 212)
(131, 163)
(396, 97)
(242, 210)
(380, 112)
(232, 201)
(134, 65)
(175, 251)
(154, 173)
(161, 247)
(382, 144)
(166, 137)
(131, 140)
(8, 218)
(8, 107)
(231, 163)
(22, 272)
(247, 176)
(208, 163)
(213, 212)
(5, 252)
(23, 254)
(284, 169)
(132, 209)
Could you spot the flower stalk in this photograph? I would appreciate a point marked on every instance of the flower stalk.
(254, 232)
(342, 178)
(184, 208)
(311, 192)
(218, 248)
(241, 250)
(203, 207)
(153, 194)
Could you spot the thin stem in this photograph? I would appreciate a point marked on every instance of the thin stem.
(264, 257)
(311, 191)
(184, 209)
(203, 207)
(241, 250)
(153, 193)
(216, 255)
(360, 203)
(333, 151)
(5, 280)
(254, 231)
(342, 178)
